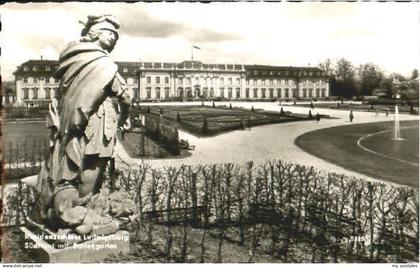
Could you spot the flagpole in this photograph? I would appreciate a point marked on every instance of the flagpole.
(192, 52)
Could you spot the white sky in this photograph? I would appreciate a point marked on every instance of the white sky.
(296, 34)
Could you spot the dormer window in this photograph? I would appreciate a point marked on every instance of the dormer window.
(47, 68)
(34, 68)
(26, 68)
(125, 70)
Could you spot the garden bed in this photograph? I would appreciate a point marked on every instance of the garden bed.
(210, 121)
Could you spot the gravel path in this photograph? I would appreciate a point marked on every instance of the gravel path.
(264, 142)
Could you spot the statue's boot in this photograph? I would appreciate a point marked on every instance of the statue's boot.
(65, 211)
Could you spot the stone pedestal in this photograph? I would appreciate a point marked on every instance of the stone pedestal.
(50, 248)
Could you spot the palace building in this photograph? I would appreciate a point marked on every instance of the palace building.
(188, 80)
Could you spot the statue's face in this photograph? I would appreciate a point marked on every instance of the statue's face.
(107, 39)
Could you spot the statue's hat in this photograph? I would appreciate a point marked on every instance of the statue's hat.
(108, 22)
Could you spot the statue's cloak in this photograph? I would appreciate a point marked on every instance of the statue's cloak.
(84, 70)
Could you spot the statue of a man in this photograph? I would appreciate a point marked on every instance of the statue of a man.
(92, 104)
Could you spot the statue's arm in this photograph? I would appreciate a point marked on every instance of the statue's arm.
(124, 101)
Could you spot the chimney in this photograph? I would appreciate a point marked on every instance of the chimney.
(41, 57)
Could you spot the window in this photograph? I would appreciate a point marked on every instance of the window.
(238, 93)
(125, 70)
(295, 93)
(196, 81)
(230, 81)
(222, 92)
(25, 80)
(181, 92)
(166, 92)
(180, 81)
(56, 80)
(286, 93)
(205, 80)
(35, 80)
(188, 80)
(204, 92)
(310, 92)
(148, 79)
(157, 92)
(263, 93)
(25, 93)
(47, 68)
(255, 82)
(230, 93)
(279, 93)
(41, 78)
(255, 92)
(166, 80)
(304, 92)
(271, 93)
(34, 68)
(286, 82)
(323, 92)
(238, 81)
(189, 92)
(317, 92)
(35, 93)
(135, 93)
(263, 82)
(247, 93)
(135, 81)
(157, 80)
(48, 93)
(26, 68)
(148, 93)
(247, 82)
(211, 92)
(271, 82)
(222, 81)
(56, 92)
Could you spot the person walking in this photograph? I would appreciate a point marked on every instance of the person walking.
(318, 117)
(351, 116)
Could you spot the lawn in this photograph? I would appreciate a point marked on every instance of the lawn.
(218, 119)
(338, 145)
(24, 143)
